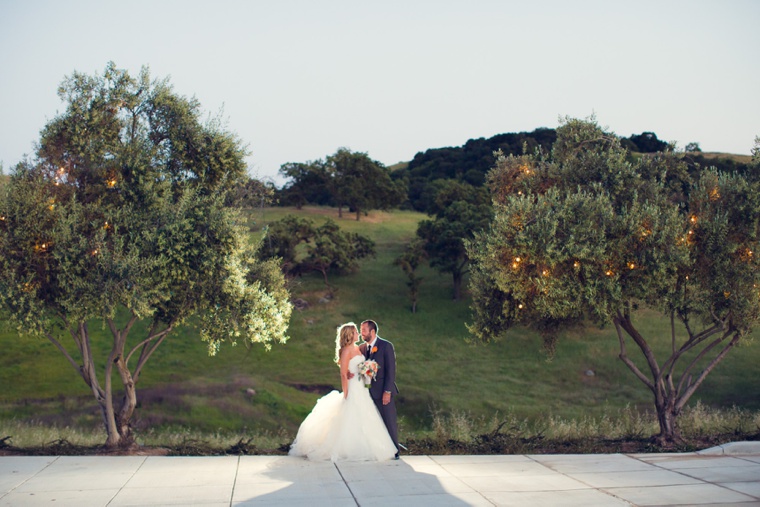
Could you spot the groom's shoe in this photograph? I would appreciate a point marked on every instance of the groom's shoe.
(396, 456)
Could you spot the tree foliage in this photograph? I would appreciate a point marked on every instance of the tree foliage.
(308, 183)
(588, 233)
(412, 258)
(345, 178)
(459, 210)
(646, 142)
(469, 163)
(122, 218)
(325, 248)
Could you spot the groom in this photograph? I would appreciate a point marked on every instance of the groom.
(383, 389)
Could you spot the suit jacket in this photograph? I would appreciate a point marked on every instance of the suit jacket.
(385, 356)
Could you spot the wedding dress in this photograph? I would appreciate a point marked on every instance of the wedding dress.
(349, 429)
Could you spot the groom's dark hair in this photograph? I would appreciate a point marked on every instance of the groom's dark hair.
(371, 324)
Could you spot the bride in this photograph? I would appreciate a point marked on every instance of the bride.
(345, 426)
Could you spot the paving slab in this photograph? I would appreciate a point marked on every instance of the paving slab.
(726, 477)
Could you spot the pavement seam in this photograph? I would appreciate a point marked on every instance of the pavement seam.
(684, 472)
(589, 486)
(30, 478)
(234, 481)
(346, 483)
(127, 481)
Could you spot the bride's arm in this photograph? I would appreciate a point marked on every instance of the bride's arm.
(344, 358)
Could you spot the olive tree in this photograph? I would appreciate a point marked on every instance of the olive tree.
(590, 233)
(121, 218)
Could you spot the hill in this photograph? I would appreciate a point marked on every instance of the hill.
(438, 370)
(472, 161)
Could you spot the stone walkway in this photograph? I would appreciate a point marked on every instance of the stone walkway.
(726, 475)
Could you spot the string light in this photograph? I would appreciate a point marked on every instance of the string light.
(631, 265)
(608, 272)
(112, 183)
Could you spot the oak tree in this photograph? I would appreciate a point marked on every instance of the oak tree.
(122, 218)
(587, 233)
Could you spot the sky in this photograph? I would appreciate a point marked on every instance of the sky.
(298, 79)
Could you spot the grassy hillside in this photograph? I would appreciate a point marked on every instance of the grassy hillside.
(438, 370)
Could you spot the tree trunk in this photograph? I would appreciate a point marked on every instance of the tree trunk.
(457, 285)
(128, 404)
(340, 211)
(669, 434)
(670, 396)
(358, 214)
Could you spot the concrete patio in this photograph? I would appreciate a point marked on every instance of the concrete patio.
(726, 475)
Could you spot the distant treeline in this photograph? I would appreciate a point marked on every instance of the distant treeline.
(423, 176)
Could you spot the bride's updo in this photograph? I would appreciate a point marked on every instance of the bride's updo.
(344, 337)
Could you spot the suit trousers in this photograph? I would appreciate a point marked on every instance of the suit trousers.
(388, 413)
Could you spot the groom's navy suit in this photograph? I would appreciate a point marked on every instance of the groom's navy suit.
(385, 356)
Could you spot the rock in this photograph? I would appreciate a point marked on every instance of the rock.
(300, 304)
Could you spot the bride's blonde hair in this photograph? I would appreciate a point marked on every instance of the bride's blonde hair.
(343, 338)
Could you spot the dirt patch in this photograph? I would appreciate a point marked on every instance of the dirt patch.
(487, 444)
(313, 388)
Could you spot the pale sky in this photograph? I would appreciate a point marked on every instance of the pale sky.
(296, 80)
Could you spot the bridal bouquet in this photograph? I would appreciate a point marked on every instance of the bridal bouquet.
(368, 370)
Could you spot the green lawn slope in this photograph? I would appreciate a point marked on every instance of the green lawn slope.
(439, 371)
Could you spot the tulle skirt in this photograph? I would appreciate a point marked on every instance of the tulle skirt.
(341, 429)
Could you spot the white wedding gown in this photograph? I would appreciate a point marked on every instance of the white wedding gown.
(349, 429)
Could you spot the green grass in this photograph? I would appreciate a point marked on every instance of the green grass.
(439, 371)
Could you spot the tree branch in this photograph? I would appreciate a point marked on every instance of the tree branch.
(65, 354)
(624, 355)
(693, 387)
(144, 357)
(145, 341)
